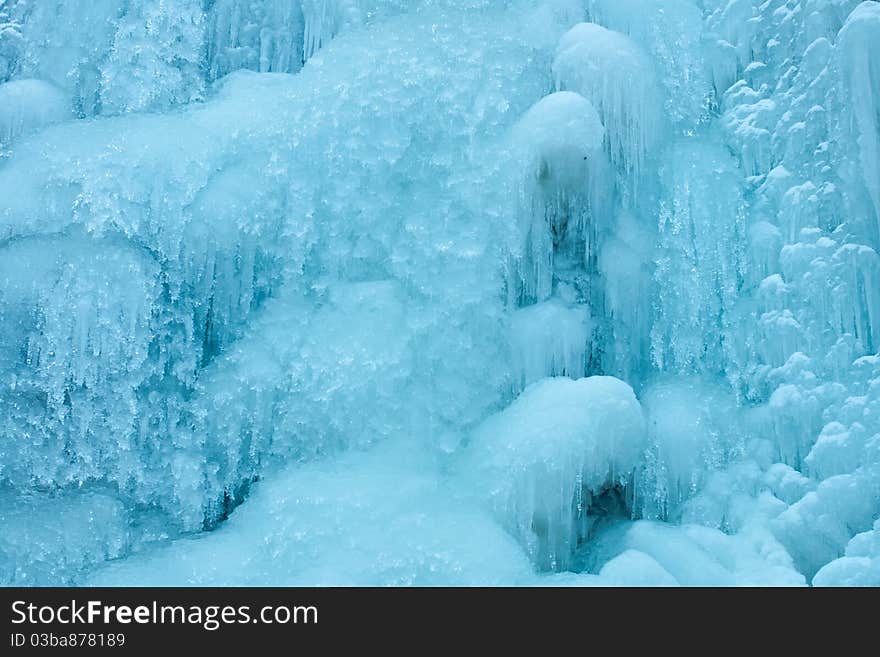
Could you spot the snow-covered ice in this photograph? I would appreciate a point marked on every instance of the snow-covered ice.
(547, 463)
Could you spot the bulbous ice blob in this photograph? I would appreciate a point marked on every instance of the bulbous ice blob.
(650, 553)
(671, 32)
(615, 74)
(817, 528)
(563, 135)
(542, 461)
(860, 566)
(558, 148)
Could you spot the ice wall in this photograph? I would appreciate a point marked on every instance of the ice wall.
(592, 286)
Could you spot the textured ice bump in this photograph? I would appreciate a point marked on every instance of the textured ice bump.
(542, 461)
(613, 72)
(561, 135)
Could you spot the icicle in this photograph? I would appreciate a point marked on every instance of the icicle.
(860, 60)
(550, 339)
(322, 20)
(27, 106)
(261, 36)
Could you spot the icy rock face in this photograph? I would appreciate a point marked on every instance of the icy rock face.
(237, 292)
(544, 462)
(800, 138)
(158, 290)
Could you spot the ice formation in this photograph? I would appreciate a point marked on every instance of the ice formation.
(559, 141)
(27, 106)
(616, 75)
(562, 292)
(550, 338)
(553, 462)
(860, 66)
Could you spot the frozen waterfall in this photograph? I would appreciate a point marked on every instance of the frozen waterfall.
(435, 292)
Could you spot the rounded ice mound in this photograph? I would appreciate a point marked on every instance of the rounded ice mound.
(860, 565)
(617, 77)
(671, 33)
(28, 105)
(562, 136)
(634, 568)
(556, 460)
(645, 552)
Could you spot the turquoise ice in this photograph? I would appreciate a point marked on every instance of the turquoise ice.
(435, 292)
